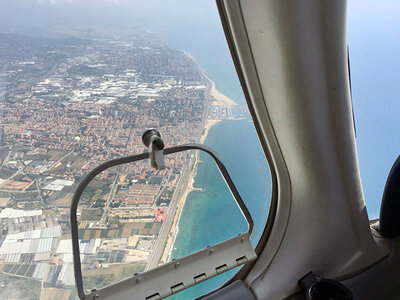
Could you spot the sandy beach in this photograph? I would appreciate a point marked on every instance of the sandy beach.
(207, 127)
(217, 99)
(220, 99)
(166, 256)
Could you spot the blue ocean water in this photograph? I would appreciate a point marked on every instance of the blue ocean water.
(375, 75)
(212, 216)
(373, 31)
(194, 26)
(373, 37)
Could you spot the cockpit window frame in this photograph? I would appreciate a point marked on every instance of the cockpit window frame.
(262, 242)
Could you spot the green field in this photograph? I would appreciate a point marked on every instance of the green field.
(105, 276)
(19, 288)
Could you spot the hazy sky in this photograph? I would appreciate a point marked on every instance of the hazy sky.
(105, 12)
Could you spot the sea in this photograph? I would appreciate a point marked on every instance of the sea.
(211, 216)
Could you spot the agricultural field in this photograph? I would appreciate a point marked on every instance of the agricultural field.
(98, 278)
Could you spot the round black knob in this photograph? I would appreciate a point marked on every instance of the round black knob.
(158, 144)
(148, 134)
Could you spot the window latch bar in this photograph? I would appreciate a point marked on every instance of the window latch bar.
(231, 253)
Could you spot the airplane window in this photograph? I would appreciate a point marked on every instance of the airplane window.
(128, 224)
(373, 37)
(80, 81)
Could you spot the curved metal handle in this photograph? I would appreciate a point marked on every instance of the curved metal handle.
(119, 161)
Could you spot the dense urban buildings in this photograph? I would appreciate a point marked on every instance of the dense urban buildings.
(69, 103)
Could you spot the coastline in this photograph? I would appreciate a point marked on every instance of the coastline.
(207, 126)
(215, 98)
(169, 246)
(219, 99)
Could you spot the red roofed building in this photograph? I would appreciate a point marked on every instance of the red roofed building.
(160, 215)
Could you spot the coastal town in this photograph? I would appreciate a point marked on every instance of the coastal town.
(69, 103)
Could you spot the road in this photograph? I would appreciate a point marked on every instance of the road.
(5, 159)
(114, 187)
(59, 160)
(111, 196)
(39, 191)
(165, 229)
